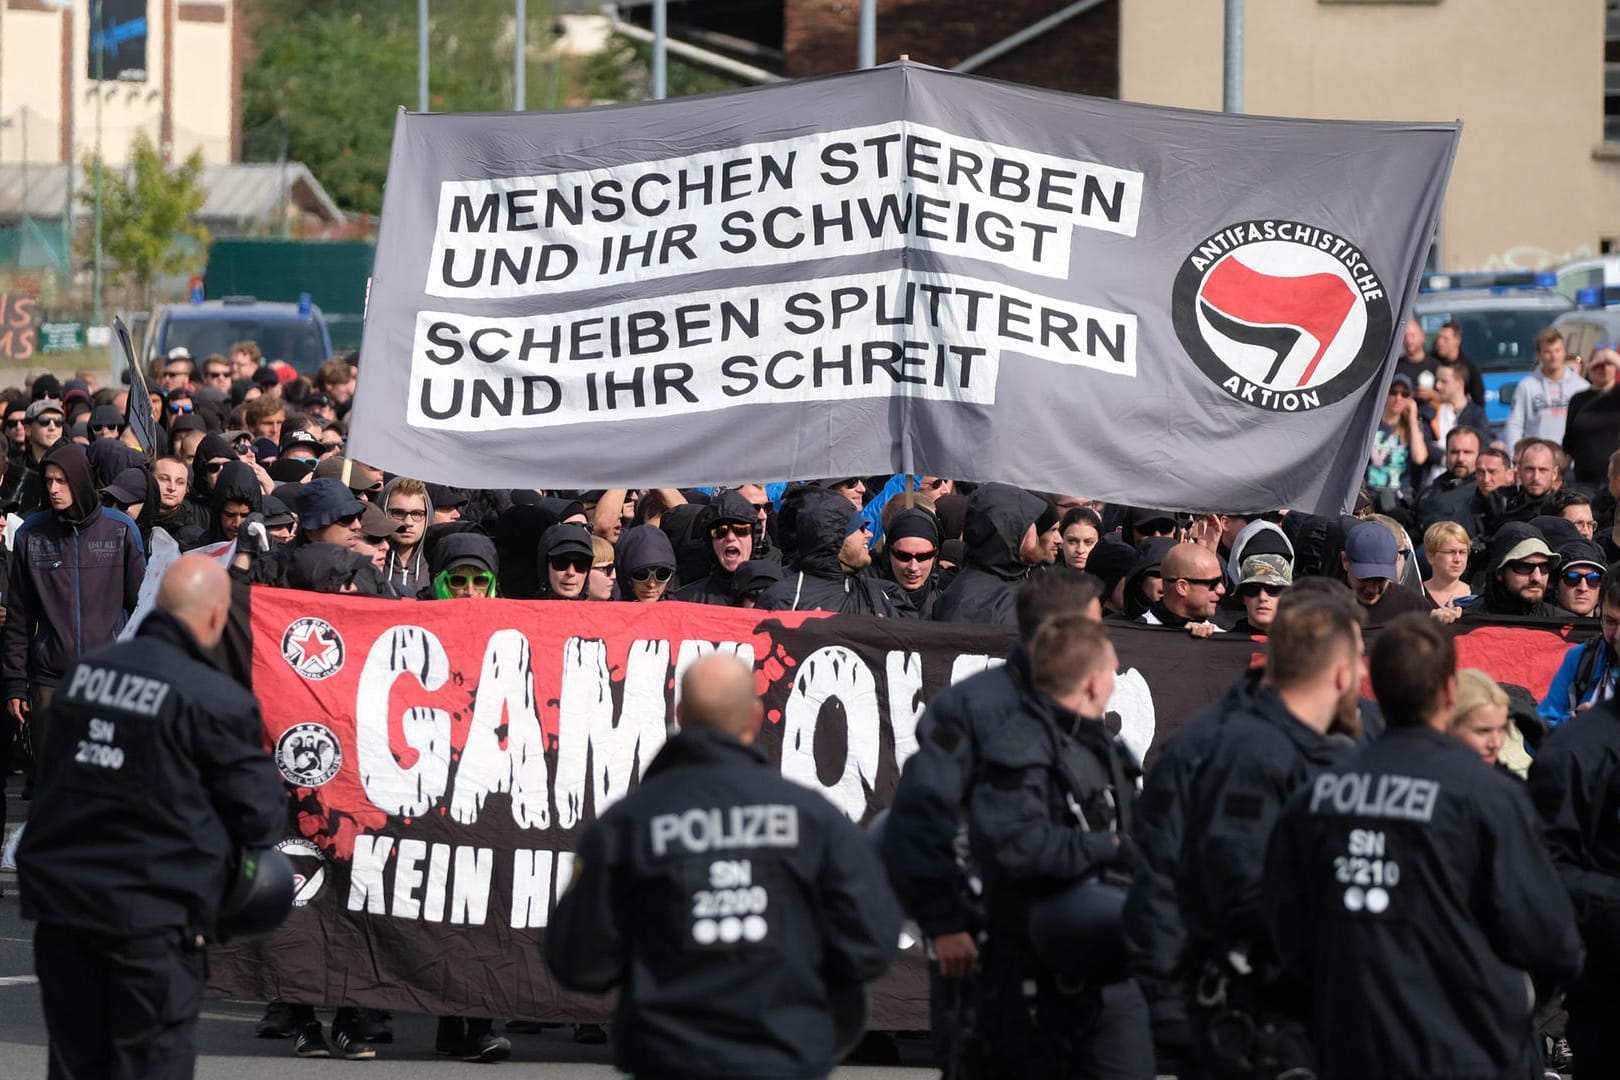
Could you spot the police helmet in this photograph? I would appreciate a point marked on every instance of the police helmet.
(1080, 931)
(258, 895)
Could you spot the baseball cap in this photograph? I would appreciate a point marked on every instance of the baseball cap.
(1267, 570)
(300, 438)
(275, 511)
(1137, 517)
(1372, 552)
(264, 450)
(179, 352)
(46, 405)
(376, 525)
(1581, 553)
(127, 487)
(444, 497)
(566, 539)
(316, 400)
(1401, 379)
(264, 378)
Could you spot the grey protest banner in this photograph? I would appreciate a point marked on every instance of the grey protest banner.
(898, 268)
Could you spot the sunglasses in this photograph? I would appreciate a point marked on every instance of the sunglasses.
(1525, 568)
(1400, 392)
(213, 466)
(476, 581)
(180, 407)
(48, 421)
(1208, 583)
(738, 529)
(607, 569)
(347, 520)
(654, 573)
(1255, 588)
(114, 428)
(218, 375)
(176, 374)
(914, 556)
(1593, 578)
(559, 563)
(16, 421)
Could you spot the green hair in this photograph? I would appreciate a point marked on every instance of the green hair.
(441, 585)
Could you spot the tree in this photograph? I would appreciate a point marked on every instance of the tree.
(148, 215)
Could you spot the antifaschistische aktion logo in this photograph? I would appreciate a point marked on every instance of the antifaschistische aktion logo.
(1282, 315)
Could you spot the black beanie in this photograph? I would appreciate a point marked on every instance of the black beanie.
(912, 523)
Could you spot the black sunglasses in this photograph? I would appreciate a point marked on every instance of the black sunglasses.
(16, 421)
(1524, 567)
(915, 556)
(347, 520)
(1208, 583)
(655, 573)
(213, 466)
(559, 563)
(1255, 588)
(114, 428)
(48, 421)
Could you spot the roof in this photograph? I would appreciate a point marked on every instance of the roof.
(1524, 299)
(244, 192)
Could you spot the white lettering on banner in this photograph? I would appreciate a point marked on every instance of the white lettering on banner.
(833, 675)
(967, 665)
(406, 792)
(905, 686)
(505, 700)
(460, 875)
(692, 651)
(617, 746)
(1132, 702)
(830, 194)
(899, 333)
(531, 888)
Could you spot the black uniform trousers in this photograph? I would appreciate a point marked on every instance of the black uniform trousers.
(119, 1007)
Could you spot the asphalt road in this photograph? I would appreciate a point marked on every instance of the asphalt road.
(230, 1052)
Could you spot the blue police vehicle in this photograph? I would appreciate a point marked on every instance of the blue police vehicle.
(1500, 315)
(294, 333)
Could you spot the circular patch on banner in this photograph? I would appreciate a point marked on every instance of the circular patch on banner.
(308, 755)
(309, 868)
(1282, 315)
(313, 648)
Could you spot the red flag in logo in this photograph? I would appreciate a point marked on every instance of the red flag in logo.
(1316, 303)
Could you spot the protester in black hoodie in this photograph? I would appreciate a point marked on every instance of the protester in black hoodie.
(831, 551)
(645, 565)
(235, 488)
(911, 561)
(1519, 568)
(75, 576)
(1002, 544)
(730, 524)
(212, 455)
(565, 562)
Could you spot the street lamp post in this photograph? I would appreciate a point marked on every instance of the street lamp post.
(98, 48)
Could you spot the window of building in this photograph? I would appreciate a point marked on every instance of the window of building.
(1611, 74)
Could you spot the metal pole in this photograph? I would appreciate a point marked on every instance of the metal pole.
(868, 48)
(520, 59)
(1232, 91)
(96, 36)
(660, 71)
(421, 56)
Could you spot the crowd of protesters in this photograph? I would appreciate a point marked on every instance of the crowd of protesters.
(249, 465)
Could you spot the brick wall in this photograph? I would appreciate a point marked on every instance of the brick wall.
(1081, 56)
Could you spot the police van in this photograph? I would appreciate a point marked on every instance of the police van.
(1500, 315)
(1595, 324)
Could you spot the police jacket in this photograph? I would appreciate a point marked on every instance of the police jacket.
(1260, 755)
(156, 776)
(75, 576)
(1408, 884)
(727, 904)
(1575, 785)
(930, 803)
(1054, 790)
(1155, 935)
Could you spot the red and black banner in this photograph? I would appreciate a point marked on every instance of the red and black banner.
(441, 759)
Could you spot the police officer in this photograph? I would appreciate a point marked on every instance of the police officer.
(1408, 884)
(157, 779)
(921, 844)
(1245, 1017)
(1051, 807)
(733, 909)
(1574, 782)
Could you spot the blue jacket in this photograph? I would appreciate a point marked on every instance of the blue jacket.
(1557, 707)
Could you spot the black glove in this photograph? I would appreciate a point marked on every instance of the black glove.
(253, 538)
(1128, 854)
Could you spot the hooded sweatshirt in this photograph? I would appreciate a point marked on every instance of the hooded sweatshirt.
(199, 500)
(411, 574)
(999, 515)
(75, 577)
(817, 581)
(236, 483)
(918, 603)
(1496, 599)
(718, 586)
(640, 547)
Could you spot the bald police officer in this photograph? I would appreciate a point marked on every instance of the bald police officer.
(1408, 886)
(157, 777)
(730, 907)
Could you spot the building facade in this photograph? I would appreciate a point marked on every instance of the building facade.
(1536, 85)
(171, 68)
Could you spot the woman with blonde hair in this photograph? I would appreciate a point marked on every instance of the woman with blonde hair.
(1480, 718)
(1447, 545)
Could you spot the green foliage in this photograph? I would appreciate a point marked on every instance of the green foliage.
(148, 213)
(329, 76)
